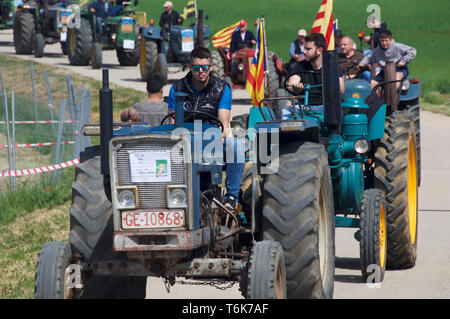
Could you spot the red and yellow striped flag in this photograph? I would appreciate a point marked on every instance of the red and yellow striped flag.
(255, 76)
(223, 37)
(324, 23)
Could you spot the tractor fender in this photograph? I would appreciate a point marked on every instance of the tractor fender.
(151, 32)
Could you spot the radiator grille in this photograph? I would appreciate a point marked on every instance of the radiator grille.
(151, 195)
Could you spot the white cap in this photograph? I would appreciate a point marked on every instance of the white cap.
(168, 4)
(302, 32)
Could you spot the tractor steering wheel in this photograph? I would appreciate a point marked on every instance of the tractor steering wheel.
(211, 117)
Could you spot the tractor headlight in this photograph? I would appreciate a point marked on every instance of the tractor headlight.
(126, 198)
(406, 85)
(361, 146)
(176, 196)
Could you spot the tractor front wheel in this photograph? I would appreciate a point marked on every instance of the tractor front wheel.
(372, 228)
(266, 271)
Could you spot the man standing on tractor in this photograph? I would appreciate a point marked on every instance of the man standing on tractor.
(101, 9)
(212, 95)
(168, 18)
(239, 40)
(389, 50)
(309, 71)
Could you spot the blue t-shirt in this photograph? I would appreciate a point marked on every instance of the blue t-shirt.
(224, 103)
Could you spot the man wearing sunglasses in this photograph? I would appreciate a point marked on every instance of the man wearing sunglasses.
(212, 95)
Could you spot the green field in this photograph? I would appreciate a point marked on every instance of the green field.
(421, 24)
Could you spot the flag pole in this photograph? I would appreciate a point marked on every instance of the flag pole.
(196, 16)
(266, 72)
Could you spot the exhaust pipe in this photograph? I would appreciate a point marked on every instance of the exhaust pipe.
(331, 91)
(106, 122)
(180, 97)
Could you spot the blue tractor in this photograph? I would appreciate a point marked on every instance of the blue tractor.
(157, 55)
(353, 164)
(147, 202)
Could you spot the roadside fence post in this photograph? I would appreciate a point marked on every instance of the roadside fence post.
(62, 108)
(13, 119)
(5, 95)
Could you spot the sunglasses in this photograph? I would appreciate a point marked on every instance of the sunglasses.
(205, 67)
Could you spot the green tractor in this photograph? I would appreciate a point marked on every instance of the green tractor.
(120, 33)
(39, 23)
(7, 12)
(352, 164)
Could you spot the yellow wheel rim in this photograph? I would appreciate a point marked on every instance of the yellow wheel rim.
(412, 190)
(382, 233)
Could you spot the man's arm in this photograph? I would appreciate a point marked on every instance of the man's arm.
(224, 111)
(409, 53)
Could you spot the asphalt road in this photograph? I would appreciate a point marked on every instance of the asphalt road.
(428, 279)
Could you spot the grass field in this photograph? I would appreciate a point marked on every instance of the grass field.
(421, 24)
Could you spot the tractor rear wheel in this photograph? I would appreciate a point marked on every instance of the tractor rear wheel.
(413, 108)
(266, 271)
(298, 212)
(80, 44)
(396, 175)
(372, 228)
(150, 61)
(23, 32)
(91, 231)
(219, 65)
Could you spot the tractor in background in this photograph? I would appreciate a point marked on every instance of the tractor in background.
(120, 33)
(37, 24)
(358, 160)
(222, 68)
(148, 202)
(7, 11)
(157, 55)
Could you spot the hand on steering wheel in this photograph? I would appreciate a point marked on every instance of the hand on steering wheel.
(213, 118)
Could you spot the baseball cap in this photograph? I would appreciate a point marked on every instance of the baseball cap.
(242, 22)
(302, 32)
(168, 4)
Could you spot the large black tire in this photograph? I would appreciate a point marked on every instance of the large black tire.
(298, 212)
(372, 229)
(50, 278)
(80, 44)
(266, 271)
(219, 65)
(23, 32)
(396, 175)
(413, 108)
(128, 58)
(91, 231)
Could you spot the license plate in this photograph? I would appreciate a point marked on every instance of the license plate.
(153, 219)
(128, 44)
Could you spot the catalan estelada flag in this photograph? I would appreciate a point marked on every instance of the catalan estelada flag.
(255, 77)
(324, 23)
(189, 10)
(223, 37)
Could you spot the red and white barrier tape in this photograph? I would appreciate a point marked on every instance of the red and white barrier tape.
(39, 170)
(39, 122)
(36, 144)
